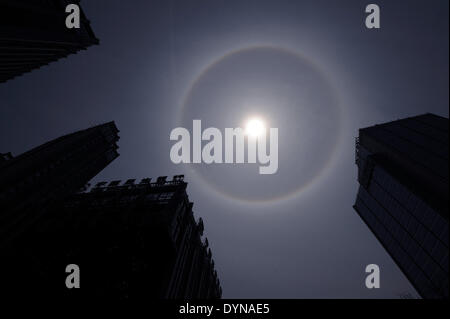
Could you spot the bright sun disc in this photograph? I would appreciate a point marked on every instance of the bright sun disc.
(255, 127)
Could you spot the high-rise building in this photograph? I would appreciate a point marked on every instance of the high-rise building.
(130, 241)
(41, 178)
(403, 196)
(33, 33)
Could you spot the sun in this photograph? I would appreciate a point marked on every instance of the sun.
(255, 127)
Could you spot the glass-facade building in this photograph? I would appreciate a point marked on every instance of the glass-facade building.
(131, 240)
(34, 181)
(33, 33)
(403, 196)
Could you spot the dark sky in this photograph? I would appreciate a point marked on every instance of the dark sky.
(310, 68)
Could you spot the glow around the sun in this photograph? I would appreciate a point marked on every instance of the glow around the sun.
(255, 127)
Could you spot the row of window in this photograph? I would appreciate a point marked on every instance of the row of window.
(407, 205)
(410, 133)
(160, 196)
(419, 155)
(413, 240)
(429, 277)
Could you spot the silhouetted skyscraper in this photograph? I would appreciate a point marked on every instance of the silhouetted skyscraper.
(403, 196)
(34, 181)
(137, 241)
(33, 33)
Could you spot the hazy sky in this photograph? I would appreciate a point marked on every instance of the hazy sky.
(310, 68)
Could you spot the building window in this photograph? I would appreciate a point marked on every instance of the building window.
(166, 196)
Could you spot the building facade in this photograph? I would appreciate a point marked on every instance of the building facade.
(33, 33)
(130, 241)
(403, 196)
(43, 177)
